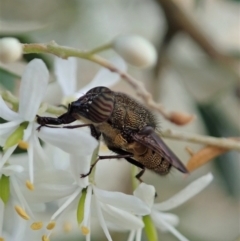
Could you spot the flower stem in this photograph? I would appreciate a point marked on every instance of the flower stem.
(135, 182)
(207, 140)
(150, 229)
(100, 48)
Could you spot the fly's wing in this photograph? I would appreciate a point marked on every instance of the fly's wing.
(148, 137)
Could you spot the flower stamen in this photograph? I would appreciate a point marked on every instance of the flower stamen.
(85, 230)
(29, 185)
(1, 239)
(21, 212)
(23, 144)
(51, 225)
(36, 225)
(45, 238)
(67, 227)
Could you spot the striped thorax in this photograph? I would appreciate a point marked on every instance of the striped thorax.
(96, 105)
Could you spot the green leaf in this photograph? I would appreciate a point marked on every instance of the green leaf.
(4, 188)
(16, 136)
(150, 229)
(80, 208)
(7, 78)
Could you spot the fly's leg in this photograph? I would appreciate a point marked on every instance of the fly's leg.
(132, 161)
(138, 176)
(102, 158)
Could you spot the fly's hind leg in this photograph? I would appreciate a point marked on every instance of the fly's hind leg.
(130, 160)
(102, 158)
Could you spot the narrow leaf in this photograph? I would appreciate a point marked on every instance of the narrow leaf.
(4, 188)
(80, 208)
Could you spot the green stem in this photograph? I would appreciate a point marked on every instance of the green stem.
(100, 48)
(62, 51)
(54, 48)
(135, 182)
(150, 228)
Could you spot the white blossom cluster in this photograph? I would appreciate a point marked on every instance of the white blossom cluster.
(49, 174)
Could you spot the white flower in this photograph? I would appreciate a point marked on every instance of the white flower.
(32, 90)
(114, 209)
(15, 204)
(111, 208)
(33, 87)
(10, 50)
(135, 50)
(15, 227)
(167, 221)
(66, 74)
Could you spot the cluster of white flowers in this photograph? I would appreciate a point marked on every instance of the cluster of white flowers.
(49, 174)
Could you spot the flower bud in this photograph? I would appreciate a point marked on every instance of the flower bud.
(181, 118)
(10, 50)
(135, 50)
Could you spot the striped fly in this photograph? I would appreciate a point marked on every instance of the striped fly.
(128, 128)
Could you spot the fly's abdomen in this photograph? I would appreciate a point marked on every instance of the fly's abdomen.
(155, 162)
(149, 158)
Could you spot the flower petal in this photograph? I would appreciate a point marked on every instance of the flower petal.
(6, 155)
(122, 219)
(123, 201)
(105, 77)
(87, 207)
(30, 160)
(9, 127)
(80, 165)
(146, 193)
(188, 192)
(101, 219)
(33, 88)
(139, 235)
(69, 200)
(39, 152)
(66, 74)
(164, 225)
(20, 197)
(76, 141)
(170, 218)
(11, 169)
(6, 113)
(50, 185)
(28, 131)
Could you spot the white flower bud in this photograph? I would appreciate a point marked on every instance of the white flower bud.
(10, 50)
(135, 50)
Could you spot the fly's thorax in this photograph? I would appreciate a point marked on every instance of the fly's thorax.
(129, 113)
(96, 105)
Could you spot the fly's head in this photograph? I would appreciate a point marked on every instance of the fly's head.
(96, 105)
